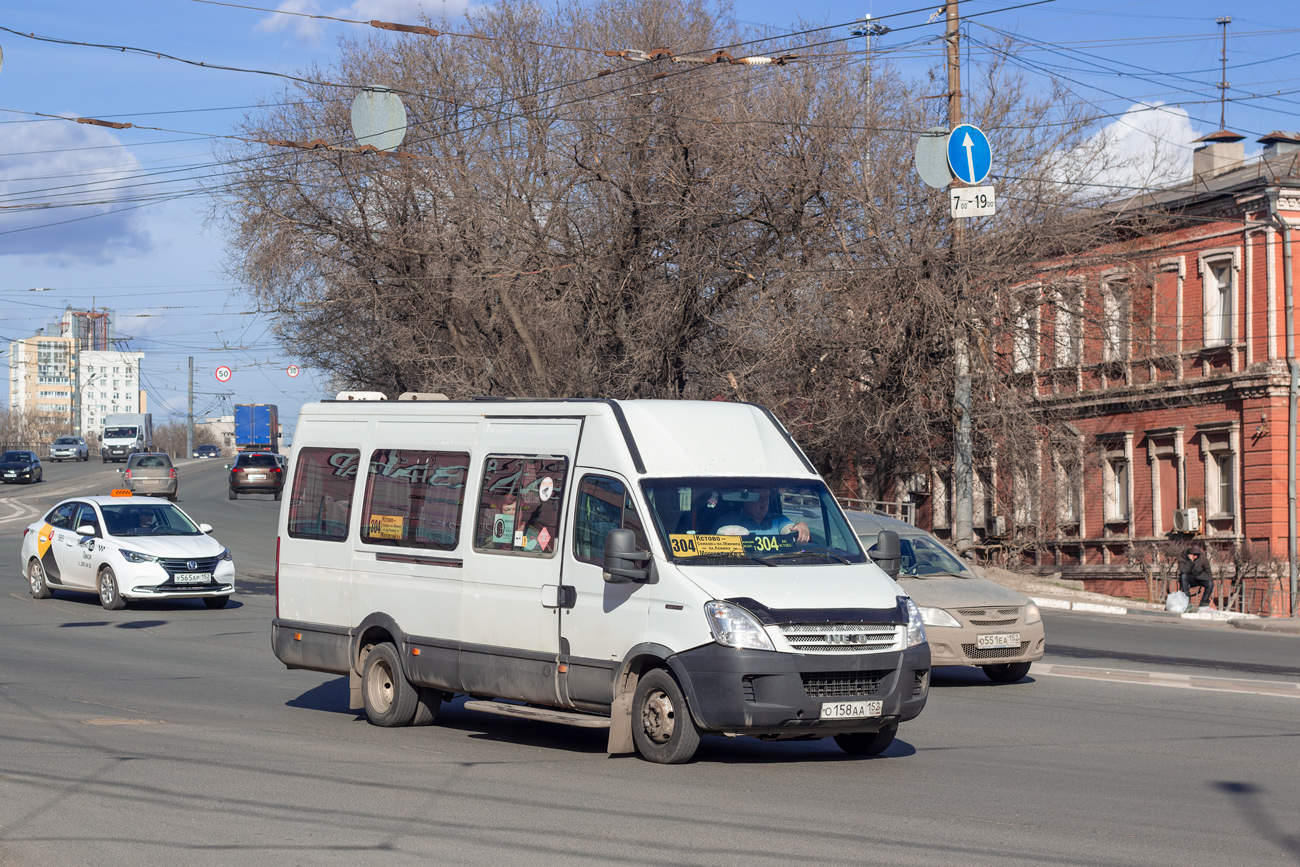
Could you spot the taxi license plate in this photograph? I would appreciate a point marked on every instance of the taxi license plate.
(851, 709)
(256, 476)
(999, 639)
(192, 577)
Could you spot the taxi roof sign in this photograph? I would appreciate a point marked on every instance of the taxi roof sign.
(121, 492)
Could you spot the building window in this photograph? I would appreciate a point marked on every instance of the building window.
(1067, 330)
(1117, 489)
(1221, 484)
(1116, 321)
(1024, 343)
(1218, 303)
(1069, 488)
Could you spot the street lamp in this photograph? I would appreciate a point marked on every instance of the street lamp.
(867, 29)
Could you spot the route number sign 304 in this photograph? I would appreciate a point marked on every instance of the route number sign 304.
(971, 202)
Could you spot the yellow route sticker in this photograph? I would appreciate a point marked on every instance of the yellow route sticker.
(685, 545)
(386, 526)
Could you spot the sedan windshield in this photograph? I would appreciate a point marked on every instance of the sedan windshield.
(15, 458)
(147, 519)
(737, 521)
(65, 441)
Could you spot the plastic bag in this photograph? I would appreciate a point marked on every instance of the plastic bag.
(1176, 602)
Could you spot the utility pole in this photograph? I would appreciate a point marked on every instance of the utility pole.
(963, 462)
(189, 425)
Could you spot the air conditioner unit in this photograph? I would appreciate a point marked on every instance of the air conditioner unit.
(996, 526)
(1186, 520)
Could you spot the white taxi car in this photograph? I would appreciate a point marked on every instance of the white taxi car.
(125, 547)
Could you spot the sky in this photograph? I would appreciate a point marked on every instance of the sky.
(117, 218)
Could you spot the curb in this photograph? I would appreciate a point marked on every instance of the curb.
(1233, 617)
(1285, 625)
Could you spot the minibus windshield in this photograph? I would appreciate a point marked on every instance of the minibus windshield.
(739, 521)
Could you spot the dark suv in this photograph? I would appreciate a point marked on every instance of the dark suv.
(256, 473)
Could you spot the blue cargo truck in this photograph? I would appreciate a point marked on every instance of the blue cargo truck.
(257, 427)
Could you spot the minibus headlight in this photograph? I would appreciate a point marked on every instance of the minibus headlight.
(733, 626)
(938, 617)
(1032, 614)
(137, 557)
(915, 624)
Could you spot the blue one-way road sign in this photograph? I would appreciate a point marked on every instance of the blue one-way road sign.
(969, 154)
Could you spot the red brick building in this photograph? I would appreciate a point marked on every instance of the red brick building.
(1168, 383)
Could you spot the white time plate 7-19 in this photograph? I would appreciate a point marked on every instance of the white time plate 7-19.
(851, 709)
(998, 639)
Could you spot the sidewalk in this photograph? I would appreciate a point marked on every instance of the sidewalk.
(1066, 595)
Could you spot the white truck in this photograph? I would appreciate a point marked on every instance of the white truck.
(125, 434)
(660, 569)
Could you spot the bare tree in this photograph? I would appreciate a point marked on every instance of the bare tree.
(564, 223)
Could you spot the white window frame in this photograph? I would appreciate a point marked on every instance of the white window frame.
(1219, 299)
(1117, 479)
(1117, 320)
(1067, 350)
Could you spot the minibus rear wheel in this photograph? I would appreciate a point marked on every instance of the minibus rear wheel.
(390, 699)
(662, 728)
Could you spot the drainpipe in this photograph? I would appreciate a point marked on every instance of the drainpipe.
(1293, 397)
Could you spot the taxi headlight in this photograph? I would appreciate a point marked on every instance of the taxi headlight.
(733, 626)
(915, 625)
(1032, 614)
(939, 617)
(137, 557)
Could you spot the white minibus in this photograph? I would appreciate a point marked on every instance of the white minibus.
(663, 569)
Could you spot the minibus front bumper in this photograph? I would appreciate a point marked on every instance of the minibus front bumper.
(764, 693)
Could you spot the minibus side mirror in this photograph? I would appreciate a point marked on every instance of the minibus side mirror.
(887, 554)
(623, 562)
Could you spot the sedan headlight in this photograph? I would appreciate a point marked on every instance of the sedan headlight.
(733, 626)
(939, 617)
(915, 624)
(1032, 614)
(225, 555)
(137, 557)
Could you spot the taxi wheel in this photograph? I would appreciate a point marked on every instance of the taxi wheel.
(216, 601)
(662, 728)
(1007, 672)
(36, 580)
(868, 743)
(390, 699)
(109, 596)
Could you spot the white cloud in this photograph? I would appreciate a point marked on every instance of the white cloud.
(1148, 147)
(310, 30)
(70, 181)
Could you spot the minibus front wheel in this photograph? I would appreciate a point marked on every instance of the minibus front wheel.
(390, 699)
(662, 727)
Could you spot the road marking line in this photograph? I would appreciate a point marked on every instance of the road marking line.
(1169, 679)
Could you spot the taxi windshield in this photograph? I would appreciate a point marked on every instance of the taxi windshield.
(739, 521)
(147, 519)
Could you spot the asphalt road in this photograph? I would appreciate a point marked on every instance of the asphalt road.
(168, 732)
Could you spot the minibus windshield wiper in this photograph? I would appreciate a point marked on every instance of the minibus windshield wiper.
(725, 558)
(815, 549)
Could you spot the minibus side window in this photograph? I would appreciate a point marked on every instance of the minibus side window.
(603, 505)
(321, 501)
(519, 504)
(414, 498)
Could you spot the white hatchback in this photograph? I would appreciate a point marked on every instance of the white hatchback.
(126, 548)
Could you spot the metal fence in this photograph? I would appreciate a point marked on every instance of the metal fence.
(900, 510)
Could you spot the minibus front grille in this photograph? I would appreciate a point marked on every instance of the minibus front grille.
(843, 684)
(841, 637)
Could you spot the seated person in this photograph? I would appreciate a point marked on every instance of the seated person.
(758, 516)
